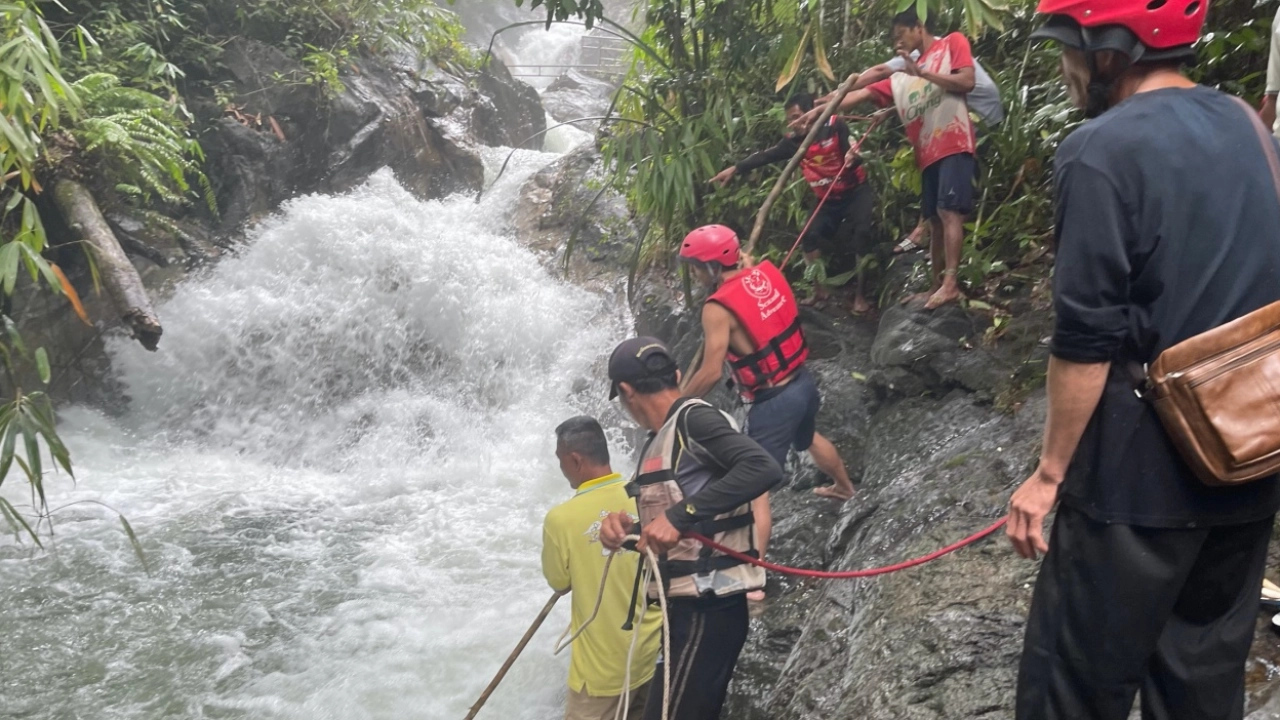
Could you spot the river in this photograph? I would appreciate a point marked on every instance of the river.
(338, 465)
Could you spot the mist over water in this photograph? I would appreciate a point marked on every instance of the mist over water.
(338, 464)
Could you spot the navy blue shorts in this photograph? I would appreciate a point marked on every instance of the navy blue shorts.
(786, 417)
(948, 185)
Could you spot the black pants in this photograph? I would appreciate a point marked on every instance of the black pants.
(707, 634)
(843, 229)
(1118, 608)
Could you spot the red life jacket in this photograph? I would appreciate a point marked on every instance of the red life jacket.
(822, 163)
(763, 303)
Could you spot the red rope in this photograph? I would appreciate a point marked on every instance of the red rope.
(829, 575)
(875, 119)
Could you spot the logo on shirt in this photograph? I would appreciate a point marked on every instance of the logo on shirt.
(593, 531)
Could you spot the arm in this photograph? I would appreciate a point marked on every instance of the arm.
(1074, 392)
(716, 323)
(1269, 111)
(778, 153)
(874, 75)
(852, 100)
(960, 81)
(1091, 301)
(749, 471)
(555, 561)
(867, 77)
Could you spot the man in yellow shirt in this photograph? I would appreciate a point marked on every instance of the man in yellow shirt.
(574, 559)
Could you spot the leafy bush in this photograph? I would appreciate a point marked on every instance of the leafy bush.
(136, 139)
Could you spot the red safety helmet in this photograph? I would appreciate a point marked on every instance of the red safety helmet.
(711, 243)
(1157, 24)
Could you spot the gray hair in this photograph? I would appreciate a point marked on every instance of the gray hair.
(583, 435)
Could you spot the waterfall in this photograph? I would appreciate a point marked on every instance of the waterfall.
(338, 464)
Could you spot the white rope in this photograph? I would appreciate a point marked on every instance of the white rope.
(561, 644)
(649, 572)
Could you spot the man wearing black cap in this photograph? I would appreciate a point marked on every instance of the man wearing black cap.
(696, 473)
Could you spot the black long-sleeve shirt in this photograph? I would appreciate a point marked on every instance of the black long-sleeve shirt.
(748, 471)
(790, 144)
(1167, 226)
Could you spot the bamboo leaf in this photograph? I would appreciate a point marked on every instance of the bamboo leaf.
(137, 546)
(69, 291)
(15, 338)
(17, 523)
(820, 51)
(792, 67)
(7, 455)
(42, 365)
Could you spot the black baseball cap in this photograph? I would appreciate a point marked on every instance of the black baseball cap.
(638, 359)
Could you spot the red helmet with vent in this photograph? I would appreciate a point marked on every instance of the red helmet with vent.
(711, 243)
(1157, 24)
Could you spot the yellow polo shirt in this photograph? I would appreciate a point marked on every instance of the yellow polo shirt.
(573, 558)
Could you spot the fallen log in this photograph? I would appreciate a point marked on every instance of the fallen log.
(118, 274)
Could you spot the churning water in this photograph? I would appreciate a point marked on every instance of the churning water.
(338, 464)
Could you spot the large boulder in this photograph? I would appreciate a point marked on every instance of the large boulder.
(576, 95)
(566, 212)
(281, 138)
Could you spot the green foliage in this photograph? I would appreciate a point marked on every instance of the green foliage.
(37, 100)
(979, 14)
(137, 139)
(560, 10)
(308, 26)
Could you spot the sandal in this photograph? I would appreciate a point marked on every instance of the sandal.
(910, 243)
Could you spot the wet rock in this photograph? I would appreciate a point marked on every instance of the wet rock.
(919, 351)
(576, 95)
(567, 213)
(509, 113)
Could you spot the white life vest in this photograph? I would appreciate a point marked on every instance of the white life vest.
(671, 468)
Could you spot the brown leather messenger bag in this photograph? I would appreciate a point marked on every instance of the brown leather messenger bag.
(1218, 393)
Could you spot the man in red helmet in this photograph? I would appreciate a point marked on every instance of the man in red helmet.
(751, 320)
(931, 98)
(842, 224)
(1152, 579)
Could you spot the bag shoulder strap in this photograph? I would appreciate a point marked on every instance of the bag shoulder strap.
(1268, 143)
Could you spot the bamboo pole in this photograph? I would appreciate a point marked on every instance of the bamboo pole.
(511, 659)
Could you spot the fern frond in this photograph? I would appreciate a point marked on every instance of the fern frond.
(142, 141)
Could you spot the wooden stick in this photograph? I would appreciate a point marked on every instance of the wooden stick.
(511, 659)
(781, 185)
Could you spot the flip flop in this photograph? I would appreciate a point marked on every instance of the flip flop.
(908, 244)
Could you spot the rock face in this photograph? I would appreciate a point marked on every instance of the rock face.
(567, 201)
(399, 113)
(577, 95)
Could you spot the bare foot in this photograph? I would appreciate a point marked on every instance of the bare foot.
(833, 492)
(860, 306)
(945, 294)
(756, 596)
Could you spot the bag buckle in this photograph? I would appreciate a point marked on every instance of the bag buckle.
(1142, 384)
